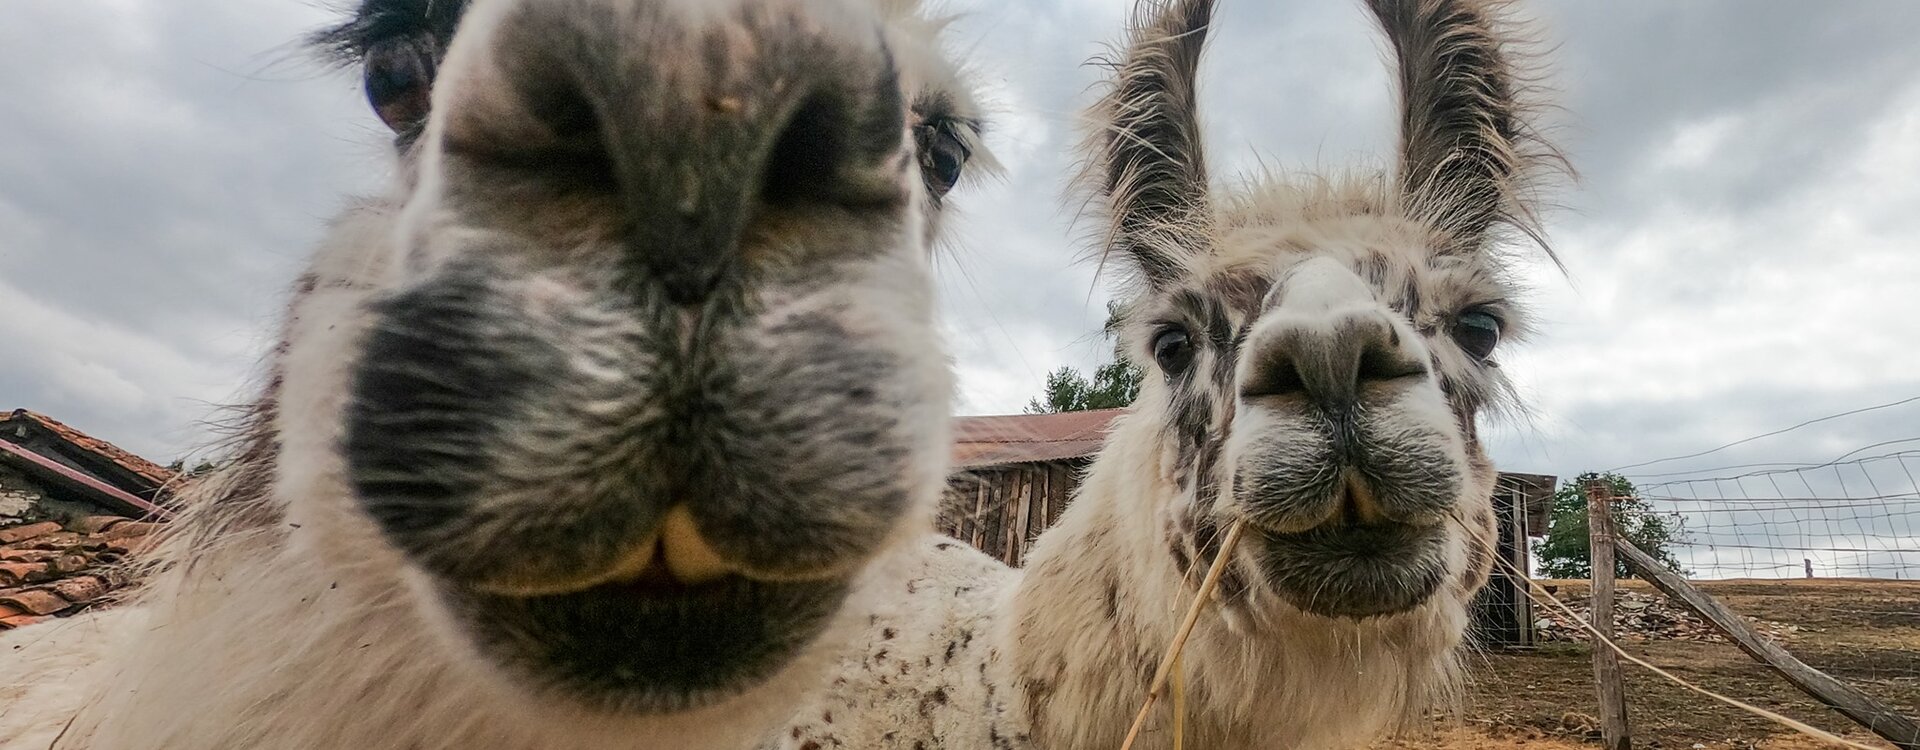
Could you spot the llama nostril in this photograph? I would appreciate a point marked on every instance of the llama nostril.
(1390, 362)
(1277, 375)
(838, 145)
(619, 132)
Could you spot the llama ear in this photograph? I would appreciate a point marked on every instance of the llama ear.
(1468, 155)
(1145, 166)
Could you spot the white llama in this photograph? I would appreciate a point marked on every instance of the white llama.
(554, 478)
(587, 434)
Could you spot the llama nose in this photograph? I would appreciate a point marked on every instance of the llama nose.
(686, 128)
(1324, 338)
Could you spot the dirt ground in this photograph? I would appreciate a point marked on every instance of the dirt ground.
(1864, 632)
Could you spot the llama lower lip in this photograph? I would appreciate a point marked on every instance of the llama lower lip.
(647, 647)
(1354, 571)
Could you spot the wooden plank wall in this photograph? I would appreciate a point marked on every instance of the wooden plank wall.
(1000, 510)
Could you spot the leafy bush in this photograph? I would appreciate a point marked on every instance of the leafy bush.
(1566, 553)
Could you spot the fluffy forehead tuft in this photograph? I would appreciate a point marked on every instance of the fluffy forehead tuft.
(941, 88)
(375, 21)
(944, 87)
(1272, 222)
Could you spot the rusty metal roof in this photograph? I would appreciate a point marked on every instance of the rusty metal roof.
(1030, 438)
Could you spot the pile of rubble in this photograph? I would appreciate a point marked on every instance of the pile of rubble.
(1642, 617)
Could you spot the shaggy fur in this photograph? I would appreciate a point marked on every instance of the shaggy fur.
(492, 379)
(1319, 354)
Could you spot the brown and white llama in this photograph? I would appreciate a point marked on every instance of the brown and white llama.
(1319, 351)
(507, 492)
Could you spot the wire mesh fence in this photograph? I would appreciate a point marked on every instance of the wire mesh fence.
(1848, 523)
(1857, 516)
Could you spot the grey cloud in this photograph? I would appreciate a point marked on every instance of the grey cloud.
(171, 165)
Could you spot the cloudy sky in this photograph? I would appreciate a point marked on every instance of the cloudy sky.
(1744, 244)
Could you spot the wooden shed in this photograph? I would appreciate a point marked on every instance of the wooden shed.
(1013, 475)
(1503, 615)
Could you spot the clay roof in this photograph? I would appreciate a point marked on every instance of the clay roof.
(1030, 438)
(50, 570)
(145, 469)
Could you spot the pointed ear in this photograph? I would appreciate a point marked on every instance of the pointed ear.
(1145, 166)
(1469, 157)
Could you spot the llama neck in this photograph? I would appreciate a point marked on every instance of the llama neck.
(1101, 599)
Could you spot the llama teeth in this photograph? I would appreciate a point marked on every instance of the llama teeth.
(637, 564)
(689, 558)
(1359, 494)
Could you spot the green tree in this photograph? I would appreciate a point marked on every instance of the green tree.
(1113, 385)
(1566, 553)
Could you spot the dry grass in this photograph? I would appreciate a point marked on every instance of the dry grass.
(1865, 632)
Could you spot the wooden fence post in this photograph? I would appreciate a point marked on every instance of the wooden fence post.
(1606, 664)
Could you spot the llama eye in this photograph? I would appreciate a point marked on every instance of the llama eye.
(942, 156)
(1477, 332)
(399, 80)
(1173, 350)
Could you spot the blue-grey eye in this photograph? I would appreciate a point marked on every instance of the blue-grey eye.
(1477, 332)
(1173, 350)
(399, 82)
(943, 154)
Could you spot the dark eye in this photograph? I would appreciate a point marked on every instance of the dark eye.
(1173, 350)
(942, 157)
(1477, 332)
(399, 81)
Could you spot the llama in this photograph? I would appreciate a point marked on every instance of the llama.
(1321, 352)
(596, 430)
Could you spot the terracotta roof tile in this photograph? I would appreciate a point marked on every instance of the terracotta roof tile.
(128, 530)
(148, 470)
(56, 540)
(17, 573)
(36, 601)
(29, 531)
(69, 564)
(11, 555)
(95, 524)
(80, 589)
(54, 571)
(20, 620)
